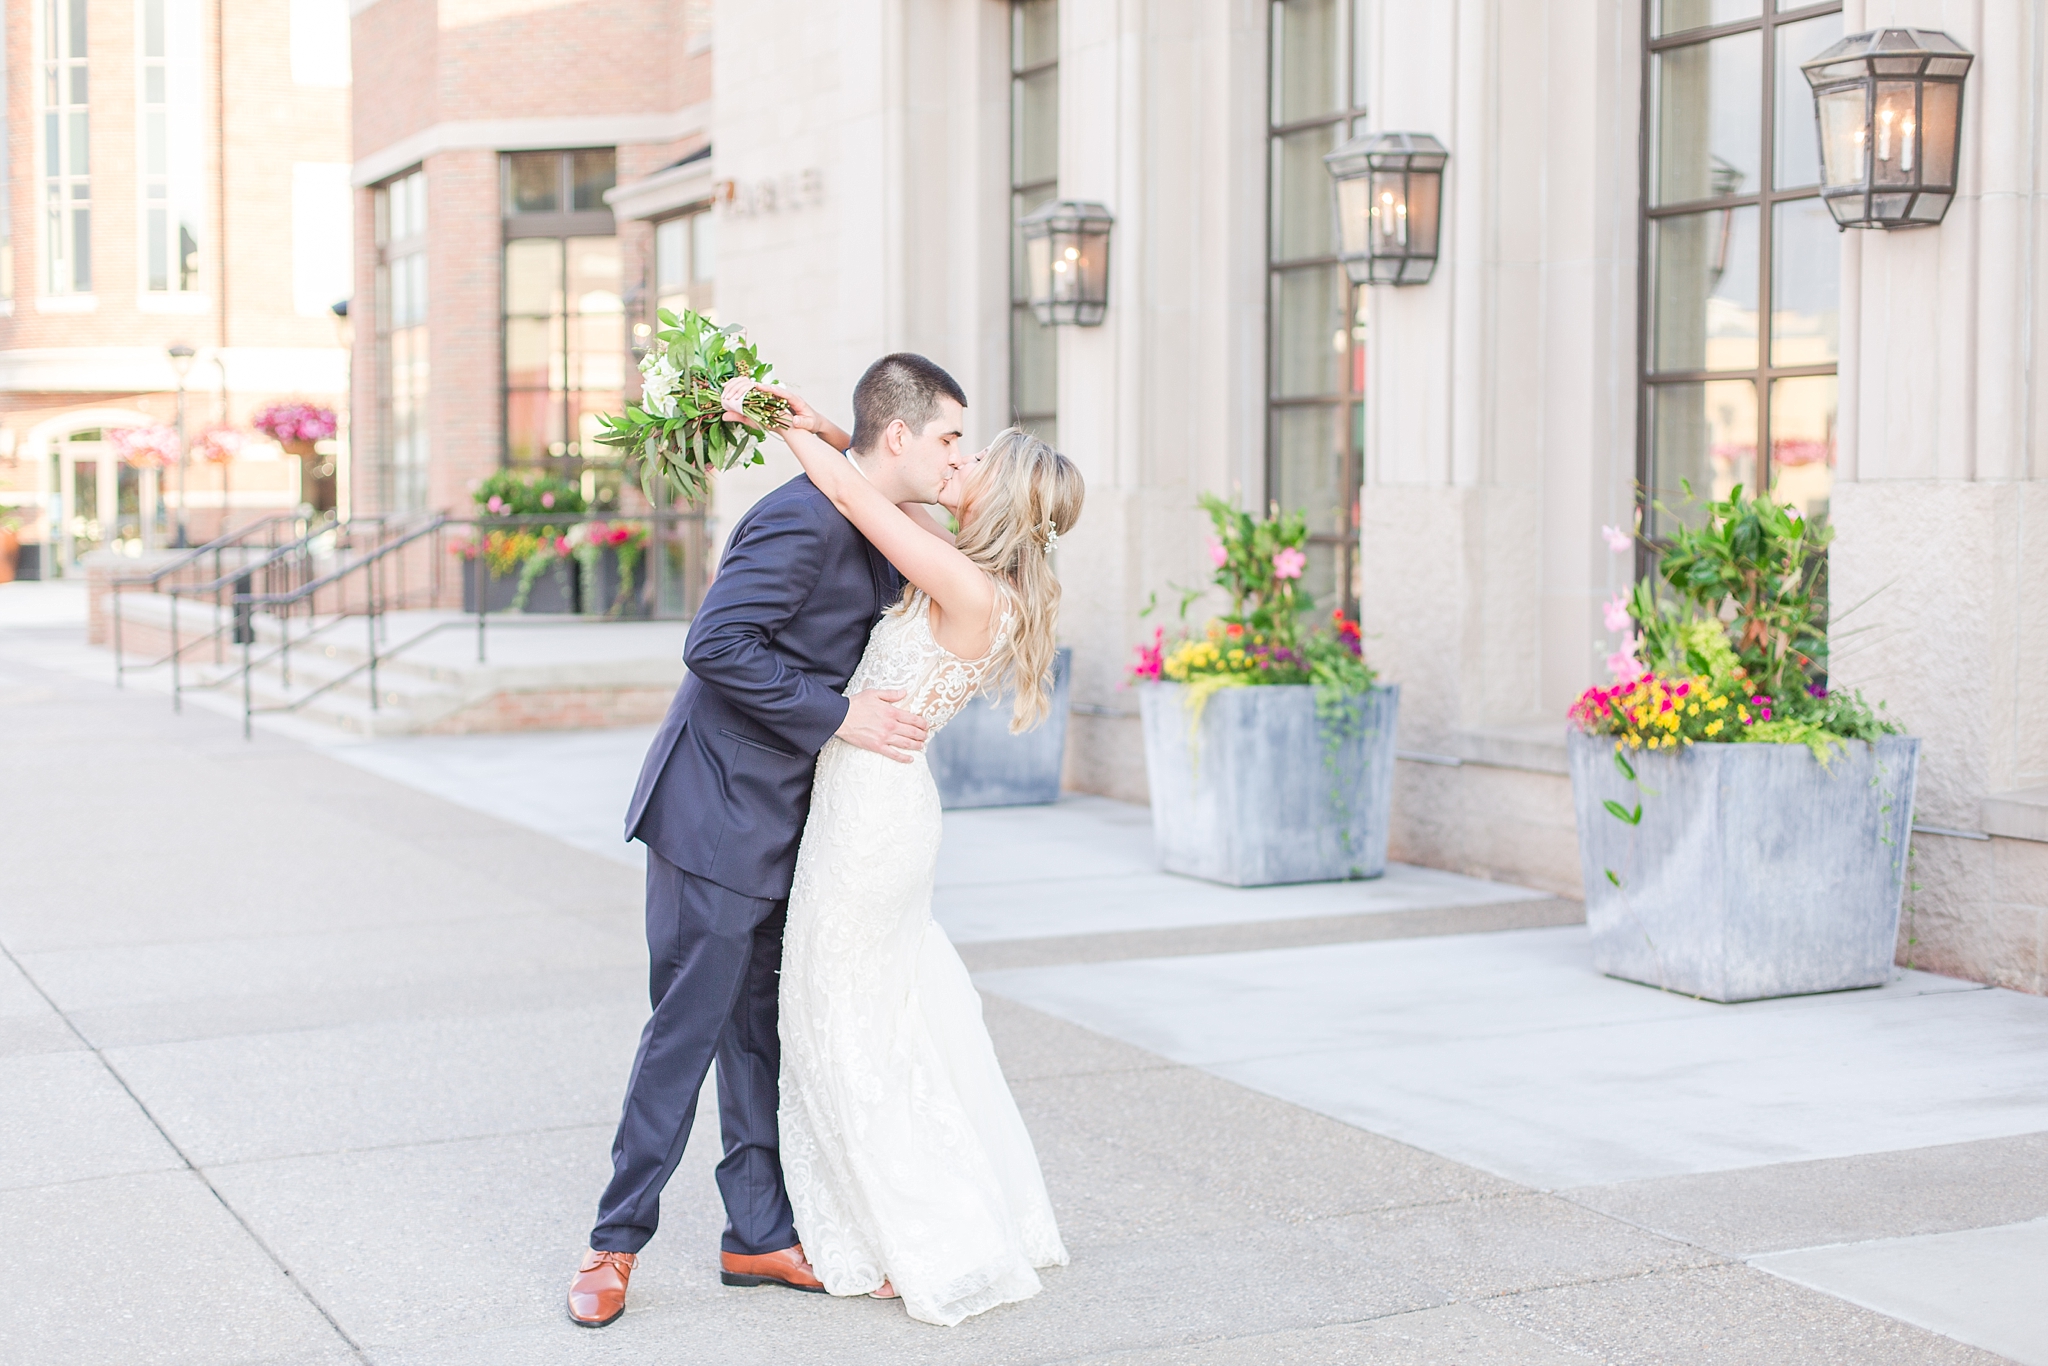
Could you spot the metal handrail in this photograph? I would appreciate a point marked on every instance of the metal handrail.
(117, 583)
(304, 592)
(254, 587)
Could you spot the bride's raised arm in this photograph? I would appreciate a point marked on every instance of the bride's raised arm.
(955, 583)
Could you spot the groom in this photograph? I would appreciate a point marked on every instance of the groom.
(720, 805)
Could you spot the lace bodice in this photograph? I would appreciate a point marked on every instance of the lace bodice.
(902, 653)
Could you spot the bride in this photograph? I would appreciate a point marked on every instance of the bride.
(907, 1164)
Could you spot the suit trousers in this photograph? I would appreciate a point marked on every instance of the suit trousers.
(713, 959)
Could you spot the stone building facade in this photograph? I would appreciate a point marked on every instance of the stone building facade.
(174, 173)
(844, 179)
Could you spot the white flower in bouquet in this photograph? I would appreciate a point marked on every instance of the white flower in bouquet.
(660, 382)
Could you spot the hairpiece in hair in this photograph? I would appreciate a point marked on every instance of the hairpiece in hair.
(1052, 537)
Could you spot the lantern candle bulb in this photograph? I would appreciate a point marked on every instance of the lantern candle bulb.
(1906, 145)
(1884, 135)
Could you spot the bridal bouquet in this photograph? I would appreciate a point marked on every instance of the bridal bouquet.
(679, 428)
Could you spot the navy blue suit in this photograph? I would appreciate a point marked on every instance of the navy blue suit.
(720, 805)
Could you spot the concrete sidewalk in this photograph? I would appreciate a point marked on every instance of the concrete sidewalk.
(317, 1061)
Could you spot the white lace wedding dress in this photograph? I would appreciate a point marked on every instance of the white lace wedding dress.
(903, 1152)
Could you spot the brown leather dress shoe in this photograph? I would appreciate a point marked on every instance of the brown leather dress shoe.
(598, 1293)
(786, 1267)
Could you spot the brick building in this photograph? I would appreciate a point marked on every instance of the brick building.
(171, 173)
(496, 285)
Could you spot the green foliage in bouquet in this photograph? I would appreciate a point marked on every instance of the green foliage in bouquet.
(678, 430)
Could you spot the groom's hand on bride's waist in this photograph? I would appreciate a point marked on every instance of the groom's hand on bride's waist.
(874, 722)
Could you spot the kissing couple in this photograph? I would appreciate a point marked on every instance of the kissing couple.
(871, 1144)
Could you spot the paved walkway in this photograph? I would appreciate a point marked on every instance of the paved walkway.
(311, 1054)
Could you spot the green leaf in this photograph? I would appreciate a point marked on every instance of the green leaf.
(1621, 762)
(1612, 878)
(1623, 814)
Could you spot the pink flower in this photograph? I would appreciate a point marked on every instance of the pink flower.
(1617, 539)
(1623, 663)
(1218, 556)
(1614, 612)
(547, 500)
(562, 546)
(1288, 563)
(496, 504)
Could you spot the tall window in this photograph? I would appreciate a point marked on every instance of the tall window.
(1034, 178)
(401, 214)
(685, 261)
(565, 322)
(67, 186)
(1315, 317)
(172, 145)
(1741, 264)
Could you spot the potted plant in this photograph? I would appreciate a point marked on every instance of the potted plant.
(976, 761)
(613, 560)
(1269, 747)
(1742, 826)
(519, 565)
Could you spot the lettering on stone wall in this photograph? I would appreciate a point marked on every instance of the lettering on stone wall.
(792, 193)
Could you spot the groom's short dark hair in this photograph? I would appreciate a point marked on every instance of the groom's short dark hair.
(903, 385)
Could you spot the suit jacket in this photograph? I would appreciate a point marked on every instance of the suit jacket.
(726, 785)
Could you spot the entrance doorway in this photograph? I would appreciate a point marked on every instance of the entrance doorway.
(101, 500)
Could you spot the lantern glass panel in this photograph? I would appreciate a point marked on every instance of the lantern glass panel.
(1354, 214)
(1301, 195)
(1844, 136)
(1311, 334)
(1704, 268)
(1938, 104)
(1424, 190)
(1929, 208)
(1796, 155)
(1388, 234)
(1307, 61)
(1803, 442)
(1892, 129)
(1676, 16)
(1806, 284)
(1709, 119)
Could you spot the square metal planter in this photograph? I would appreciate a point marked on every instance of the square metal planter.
(1252, 795)
(977, 762)
(1755, 871)
(553, 592)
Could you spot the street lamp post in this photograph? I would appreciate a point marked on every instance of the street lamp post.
(181, 364)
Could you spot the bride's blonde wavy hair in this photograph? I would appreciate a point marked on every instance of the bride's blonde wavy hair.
(1019, 501)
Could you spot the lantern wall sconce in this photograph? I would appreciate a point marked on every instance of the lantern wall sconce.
(1890, 108)
(1066, 261)
(1390, 194)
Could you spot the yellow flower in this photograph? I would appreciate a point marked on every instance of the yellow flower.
(1714, 727)
(1693, 710)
